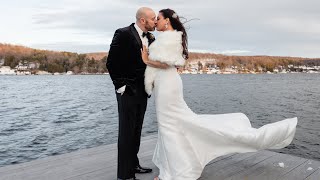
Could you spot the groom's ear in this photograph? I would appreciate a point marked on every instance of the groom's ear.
(142, 20)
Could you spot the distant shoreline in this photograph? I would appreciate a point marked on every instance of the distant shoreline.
(179, 73)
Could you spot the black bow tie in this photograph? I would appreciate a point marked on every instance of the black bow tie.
(144, 34)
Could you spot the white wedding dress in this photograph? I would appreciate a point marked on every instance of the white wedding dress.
(188, 141)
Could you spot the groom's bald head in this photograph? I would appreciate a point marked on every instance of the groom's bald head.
(143, 12)
(146, 19)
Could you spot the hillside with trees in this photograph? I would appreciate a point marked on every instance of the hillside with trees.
(268, 63)
(54, 61)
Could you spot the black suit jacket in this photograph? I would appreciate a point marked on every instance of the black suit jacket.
(124, 61)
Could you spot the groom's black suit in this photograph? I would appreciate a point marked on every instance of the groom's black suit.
(126, 67)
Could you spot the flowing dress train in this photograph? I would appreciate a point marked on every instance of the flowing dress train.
(188, 141)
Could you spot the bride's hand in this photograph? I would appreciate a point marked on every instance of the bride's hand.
(144, 54)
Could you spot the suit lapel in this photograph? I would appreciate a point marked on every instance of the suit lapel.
(136, 35)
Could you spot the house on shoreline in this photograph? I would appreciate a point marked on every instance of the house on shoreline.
(6, 70)
(211, 66)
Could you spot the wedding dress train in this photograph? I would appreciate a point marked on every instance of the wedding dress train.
(188, 141)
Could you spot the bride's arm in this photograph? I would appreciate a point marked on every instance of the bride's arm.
(147, 61)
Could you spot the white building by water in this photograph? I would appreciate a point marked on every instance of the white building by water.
(22, 67)
(43, 73)
(6, 70)
(69, 73)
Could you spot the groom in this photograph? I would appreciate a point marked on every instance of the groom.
(126, 70)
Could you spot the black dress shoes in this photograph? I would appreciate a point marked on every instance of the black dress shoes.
(141, 170)
(129, 179)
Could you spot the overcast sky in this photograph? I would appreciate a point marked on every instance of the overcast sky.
(239, 27)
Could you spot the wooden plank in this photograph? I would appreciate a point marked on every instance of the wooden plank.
(215, 168)
(72, 155)
(290, 163)
(72, 168)
(240, 165)
(257, 170)
(111, 171)
(72, 165)
(270, 168)
(145, 156)
(61, 169)
(100, 163)
(314, 176)
(75, 154)
(254, 169)
(302, 171)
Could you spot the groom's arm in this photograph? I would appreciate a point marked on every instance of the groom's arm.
(114, 55)
(117, 62)
(157, 64)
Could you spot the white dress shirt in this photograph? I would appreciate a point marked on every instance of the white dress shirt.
(144, 41)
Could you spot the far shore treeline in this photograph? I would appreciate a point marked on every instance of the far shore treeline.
(54, 61)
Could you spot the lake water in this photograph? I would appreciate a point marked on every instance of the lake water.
(48, 115)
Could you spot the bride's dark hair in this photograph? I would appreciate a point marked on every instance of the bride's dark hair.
(177, 25)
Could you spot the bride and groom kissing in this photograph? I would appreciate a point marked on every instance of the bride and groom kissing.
(140, 65)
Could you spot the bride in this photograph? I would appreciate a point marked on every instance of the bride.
(188, 141)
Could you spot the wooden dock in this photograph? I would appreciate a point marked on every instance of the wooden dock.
(100, 164)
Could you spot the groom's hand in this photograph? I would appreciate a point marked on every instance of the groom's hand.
(144, 54)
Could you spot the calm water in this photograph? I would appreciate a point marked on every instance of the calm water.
(48, 115)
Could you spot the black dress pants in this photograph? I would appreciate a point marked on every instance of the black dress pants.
(131, 109)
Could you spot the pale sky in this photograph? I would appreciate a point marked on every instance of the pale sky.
(232, 27)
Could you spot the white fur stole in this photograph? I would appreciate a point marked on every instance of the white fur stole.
(167, 48)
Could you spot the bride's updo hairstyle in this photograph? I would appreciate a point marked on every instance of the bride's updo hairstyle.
(177, 25)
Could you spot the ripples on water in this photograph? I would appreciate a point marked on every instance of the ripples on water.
(48, 115)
